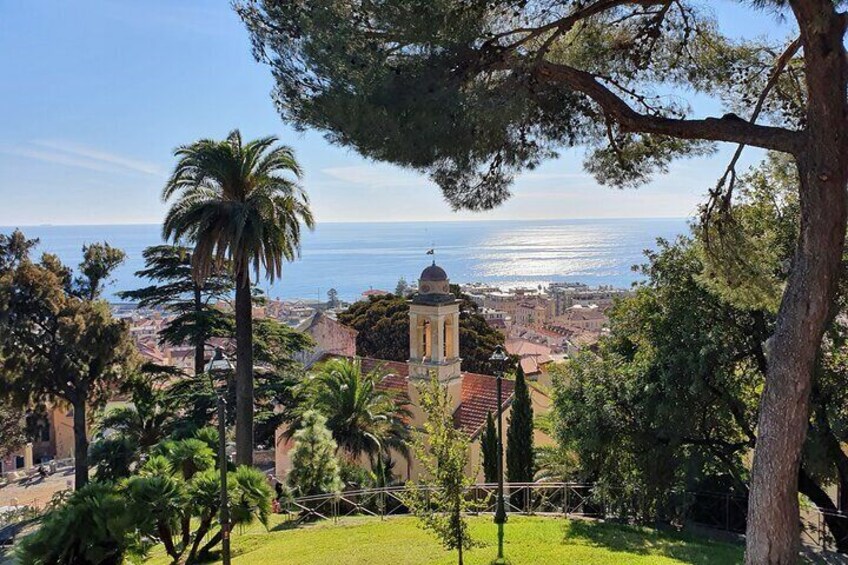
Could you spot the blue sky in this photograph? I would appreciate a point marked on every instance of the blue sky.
(95, 94)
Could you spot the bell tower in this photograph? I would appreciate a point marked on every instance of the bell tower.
(434, 328)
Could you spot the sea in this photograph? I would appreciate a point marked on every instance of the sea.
(355, 257)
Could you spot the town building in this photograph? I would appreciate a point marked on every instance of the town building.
(329, 336)
(583, 317)
(434, 350)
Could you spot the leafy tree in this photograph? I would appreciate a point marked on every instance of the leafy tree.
(672, 400)
(315, 469)
(192, 303)
(363, 418)
(98, 263)
(58, 341)
(383, 326)
(489, 450)
(12, 429)
(234, 201)
(437, 497)
(402, 287)
(473, 93)
(173, 500)
(386, 318)
(520, 464)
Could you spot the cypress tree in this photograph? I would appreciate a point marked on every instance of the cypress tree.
(519, 436)
(489, 450)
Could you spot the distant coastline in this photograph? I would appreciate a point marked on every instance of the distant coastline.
(7, 227)
(356, 256)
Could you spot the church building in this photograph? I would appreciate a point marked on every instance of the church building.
(434, 349)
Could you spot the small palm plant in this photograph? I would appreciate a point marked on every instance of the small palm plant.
(180, 488)
(363, 418)
(91, 528)
(239, 204)
(174, 499)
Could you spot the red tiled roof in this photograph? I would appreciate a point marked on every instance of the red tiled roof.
(389, 367)
(584, 314)
(479, 397)
(397, 373)
(530, 365)
(522, 347)
(478, 394)
(394, 383)
(375, 292)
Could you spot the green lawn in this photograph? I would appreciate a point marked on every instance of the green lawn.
(529, 540)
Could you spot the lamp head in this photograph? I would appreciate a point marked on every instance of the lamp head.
(499, 355)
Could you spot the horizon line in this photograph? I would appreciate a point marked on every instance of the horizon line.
(318, 224)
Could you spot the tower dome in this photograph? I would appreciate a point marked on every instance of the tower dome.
(433, 286)
(433, 273)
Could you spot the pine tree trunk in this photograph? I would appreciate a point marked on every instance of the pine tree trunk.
(244, 369)
(80, 445)
(773, 523)
(806, 308)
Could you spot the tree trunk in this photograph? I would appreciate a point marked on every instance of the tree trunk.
(244, 368)
(164, 532)
(80, 445)
(201, 532)
(200, 345)
(213, 541)
(773, 520)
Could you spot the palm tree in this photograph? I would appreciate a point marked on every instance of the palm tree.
(238, 203)
(147, 419)
(363, 418)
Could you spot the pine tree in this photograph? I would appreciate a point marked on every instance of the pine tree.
(402, 287)
(315, 469)
(489, 450)
(191, 302)
(332, 298)
(519, 435)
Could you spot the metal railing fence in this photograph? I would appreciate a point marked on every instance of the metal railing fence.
(718, 511)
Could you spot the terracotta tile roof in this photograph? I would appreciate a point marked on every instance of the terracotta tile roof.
(478, 394)
(397, 373)
(395, 383)
(479, 397)
(533, 364)
(375, 292)
(389, 367)
(150, 353)
(522, 347)
(583, 314)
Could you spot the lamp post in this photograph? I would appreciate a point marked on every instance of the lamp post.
(499, 358)
(220, 362)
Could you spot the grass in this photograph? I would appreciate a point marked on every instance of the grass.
(529, 540)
